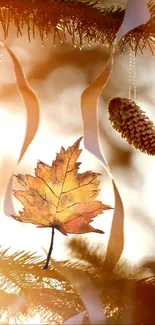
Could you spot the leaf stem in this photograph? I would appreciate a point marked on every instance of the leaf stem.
(50, 250)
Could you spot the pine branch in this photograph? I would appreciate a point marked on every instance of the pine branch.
(84, 252)
(82, 19)
(37, 290)
(46, 291)
(25, 263)
(142, 36)
(125, 291)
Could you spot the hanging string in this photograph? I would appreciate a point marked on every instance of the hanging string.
(132, 76)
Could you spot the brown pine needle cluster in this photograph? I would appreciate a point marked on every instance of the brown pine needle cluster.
(82, 19)
(133, 125)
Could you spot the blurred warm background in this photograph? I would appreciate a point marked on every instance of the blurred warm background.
(58, 76)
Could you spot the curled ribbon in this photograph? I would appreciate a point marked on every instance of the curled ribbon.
(88, 292)
(137, 13)
(32, 123)
(89, 101)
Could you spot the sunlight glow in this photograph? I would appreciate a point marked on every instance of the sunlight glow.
(34, 320)
(37, 319)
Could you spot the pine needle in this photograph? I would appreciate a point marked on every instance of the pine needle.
(84, 20)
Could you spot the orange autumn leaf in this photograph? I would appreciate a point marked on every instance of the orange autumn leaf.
(58, 196)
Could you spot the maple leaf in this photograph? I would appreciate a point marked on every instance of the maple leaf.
(58, 196)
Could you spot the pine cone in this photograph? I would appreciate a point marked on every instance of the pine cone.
(129, 120)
